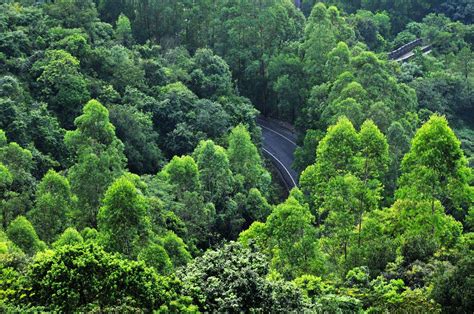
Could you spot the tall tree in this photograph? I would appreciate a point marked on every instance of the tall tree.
(210, 75)
(54, 206)
(122, 219)
(19, 163)
(336, 155)
(99, 159)
(435, 169)
(289, 239)
(61, 84)
(22, 233)
(342, 206)
(245, 161)
(123, 30)
(182, 173)
(324, 29)
(214, 171)
(373, 161)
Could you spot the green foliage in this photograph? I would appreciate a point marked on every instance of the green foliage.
(210, 75)
(453, 286)
(245, 161)
(16, 197)
(135, 129)
(183, 173)
(70, 236)
(73, 13)
(5, 177)
(436, 169)
(21, 232)
(256, 207)
(324, 29)
(335, 155)
(74, 277)
(292, 240)
(313, 287)
(289, 239)
(122, 219)
(154, 255)
(99, 159)
(372, 29)
(123, 30)
(176, 249)
(233, 278)
(61, 84)
(54, 206)
(385, 233)
(214, 171)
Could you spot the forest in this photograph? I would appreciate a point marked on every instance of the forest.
(132, 175)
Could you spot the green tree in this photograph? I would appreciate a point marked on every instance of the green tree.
(342, 207)
(135, 129)
(335, 155)
(22, 233)
(121, 67)
(154, 255)
(292, 238)
(123, 30)
(61, 84)
(374, 157)
(54, 206)
(17, 200)
(183, 174)
(214, 171)
(289, 238)
(245, 161)
(338, 61)
(234, 278)
(73, 13)
(210, 75)
(324, 29)
(435, 169)
(26, 122)
(6, 180)
(453, 284)
(288, 81)
(99, 159)
(256, 207)
(104, 280)
(305, 155)
(122, 219)
(373, 161)
(372, 28)
(70, 236)
(177, 250)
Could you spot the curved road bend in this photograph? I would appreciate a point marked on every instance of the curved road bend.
(279, 145)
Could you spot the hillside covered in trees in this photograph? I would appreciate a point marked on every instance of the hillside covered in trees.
(131, 170)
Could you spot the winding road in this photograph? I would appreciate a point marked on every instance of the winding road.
(279, 144)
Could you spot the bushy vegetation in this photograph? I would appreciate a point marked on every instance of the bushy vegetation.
(131, 173)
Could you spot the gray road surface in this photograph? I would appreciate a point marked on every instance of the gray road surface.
(279, 144)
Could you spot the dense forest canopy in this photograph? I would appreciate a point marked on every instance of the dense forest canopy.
(131, 168)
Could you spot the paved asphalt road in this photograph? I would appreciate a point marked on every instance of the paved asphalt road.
(279, 144)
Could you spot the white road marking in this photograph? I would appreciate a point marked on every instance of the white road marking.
(288, 172)
(286, 138)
